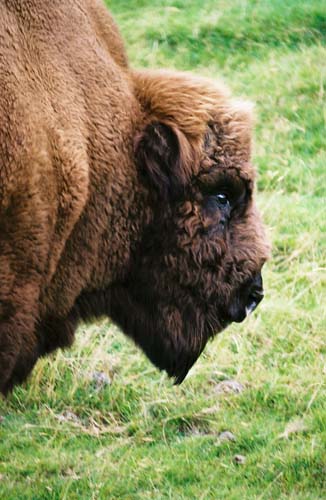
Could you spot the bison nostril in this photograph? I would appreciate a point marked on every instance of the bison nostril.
(255, 297)
(247, 299)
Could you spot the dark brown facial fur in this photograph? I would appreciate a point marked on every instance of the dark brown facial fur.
(122, 193)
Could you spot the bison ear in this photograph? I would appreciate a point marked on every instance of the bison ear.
(165, 156)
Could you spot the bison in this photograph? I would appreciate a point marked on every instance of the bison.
(127, 193)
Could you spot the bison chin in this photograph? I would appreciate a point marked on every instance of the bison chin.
(172, 337)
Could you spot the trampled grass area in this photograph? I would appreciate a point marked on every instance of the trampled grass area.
(67, 436)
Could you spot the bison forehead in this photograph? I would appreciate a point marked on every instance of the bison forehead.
(224, 149)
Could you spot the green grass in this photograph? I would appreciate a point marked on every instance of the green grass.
(61, 437)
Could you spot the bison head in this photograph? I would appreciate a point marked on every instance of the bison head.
(197, 265)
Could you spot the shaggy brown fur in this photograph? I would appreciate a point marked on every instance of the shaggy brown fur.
(122, 193)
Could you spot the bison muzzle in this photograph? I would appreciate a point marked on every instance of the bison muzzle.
(122, 193)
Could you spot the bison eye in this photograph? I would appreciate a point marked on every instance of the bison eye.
(222, 199)
(217, 203)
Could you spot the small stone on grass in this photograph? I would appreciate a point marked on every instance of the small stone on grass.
(229, 386)
(227, 436)
(101, 379)
(68, 416)
(239, 459)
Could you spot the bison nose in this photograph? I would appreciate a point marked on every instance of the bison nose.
(249, 298)
(255, 294)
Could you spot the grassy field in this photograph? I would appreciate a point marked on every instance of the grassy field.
(73, 433)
